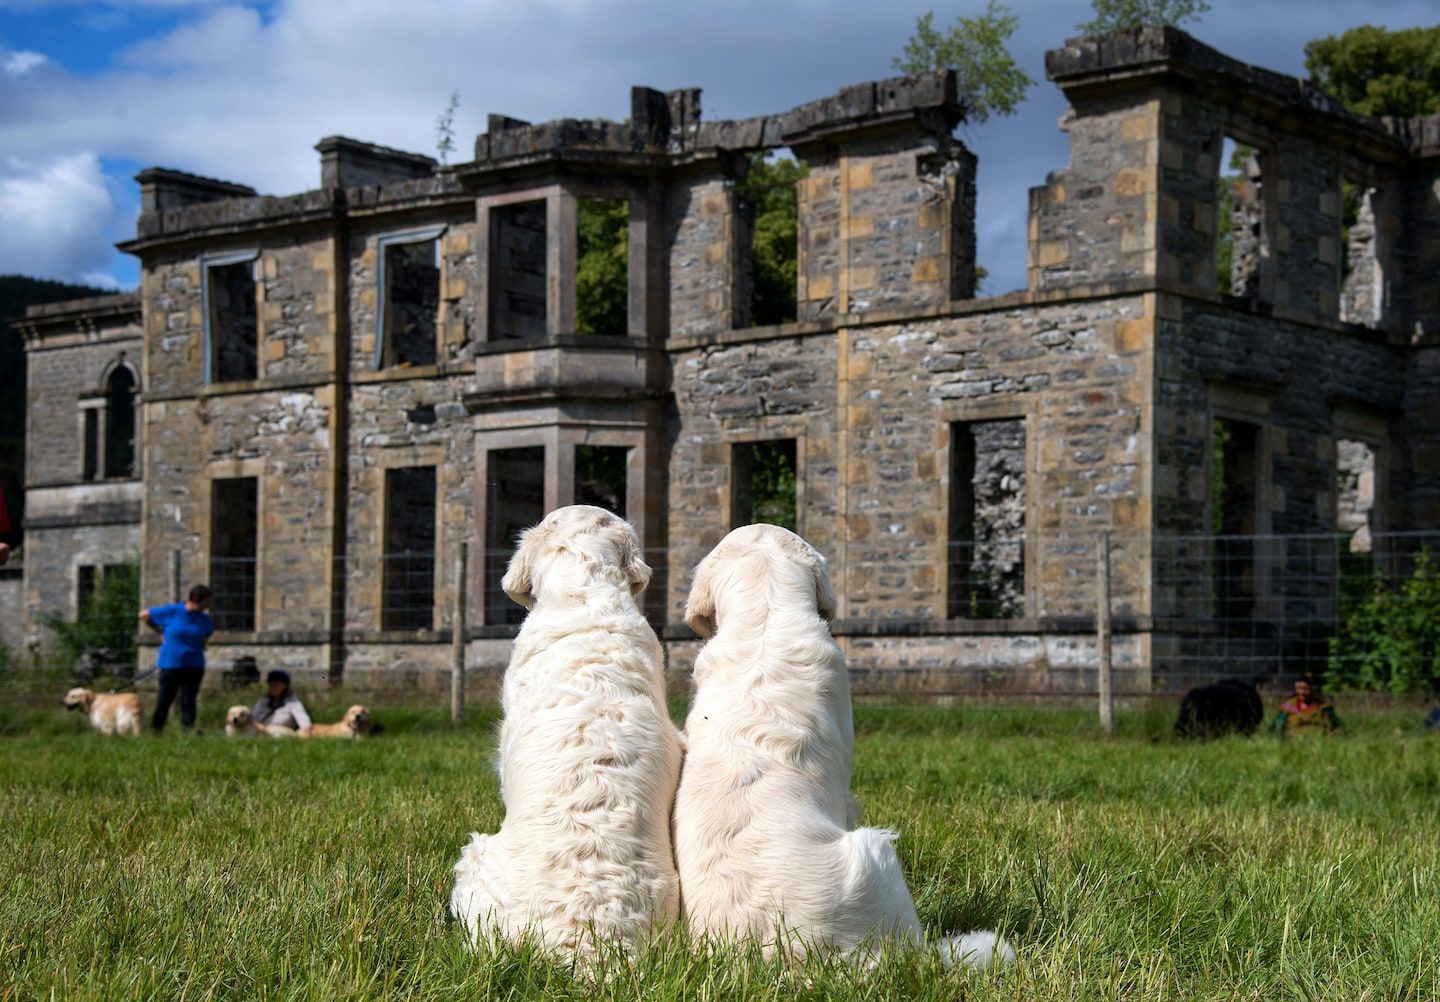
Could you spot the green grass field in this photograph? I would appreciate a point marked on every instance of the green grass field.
(1132, 867)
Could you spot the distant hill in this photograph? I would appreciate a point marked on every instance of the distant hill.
(16, 293)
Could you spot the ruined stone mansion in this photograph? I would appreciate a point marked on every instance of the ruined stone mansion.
(314, 398)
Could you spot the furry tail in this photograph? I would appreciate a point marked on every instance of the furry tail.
(982, 948)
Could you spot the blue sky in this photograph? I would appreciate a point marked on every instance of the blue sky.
(90, 91)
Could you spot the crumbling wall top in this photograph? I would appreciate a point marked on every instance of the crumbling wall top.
(93, 313)
(1134, 57)
(664, 124)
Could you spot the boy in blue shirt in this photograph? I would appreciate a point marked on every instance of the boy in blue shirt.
(185, 629)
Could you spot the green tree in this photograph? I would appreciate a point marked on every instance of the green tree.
(771, 188)
(602, 275)
(1377, 72)
(1118, 15)
(988, 79)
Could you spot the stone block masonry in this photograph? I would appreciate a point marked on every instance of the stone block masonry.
(956, 459)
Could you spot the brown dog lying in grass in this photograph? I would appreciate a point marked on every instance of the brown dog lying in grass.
(110, 713)
(355, 724)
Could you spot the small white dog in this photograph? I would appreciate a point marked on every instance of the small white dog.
(110, 712)
(240, 723)
(588, 757)
(764, 807)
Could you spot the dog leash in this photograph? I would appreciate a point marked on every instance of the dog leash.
(134, 681)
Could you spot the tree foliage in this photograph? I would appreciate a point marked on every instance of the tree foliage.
(1117, 15)
(445, 128)
(771, 188)
(772, 483)
(988, 79)
(1377, 72)
(602, 277)
(106, 618)
(1389, 640)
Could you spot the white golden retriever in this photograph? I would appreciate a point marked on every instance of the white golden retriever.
(588, 757)
(764, 807)
(240, 723)
(109, 712)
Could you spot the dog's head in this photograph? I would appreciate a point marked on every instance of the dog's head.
(771, 555)
(78, 699)
(576, 545)
(357, 718)
(238, 717)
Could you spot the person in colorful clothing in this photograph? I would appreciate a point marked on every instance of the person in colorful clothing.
(185, 629)
(1306, 712)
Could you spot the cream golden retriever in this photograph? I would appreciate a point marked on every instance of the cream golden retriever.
(110, 713)
(588, 757)
(241, 723)
(355, 724)
(763, 811)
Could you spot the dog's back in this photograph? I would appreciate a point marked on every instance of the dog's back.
(116, 713)
(589, 759)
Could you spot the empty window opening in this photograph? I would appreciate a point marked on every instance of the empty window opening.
(763, 483)
(232, 332)
(768, 198)
(120, 424)
(409, 302)
(987, 520)
(1240, 220)
(517, 271)
(600, 477)
(514, 500)
(234, 526)
(408, 599)
(1355, 492)
(1362, 279)
(87, 586)
(602, 268)
(90, 448)
(1234, 505)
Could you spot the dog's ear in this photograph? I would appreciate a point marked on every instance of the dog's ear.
(824, 593)
(519, 579)
(632, 559)
(700, 606)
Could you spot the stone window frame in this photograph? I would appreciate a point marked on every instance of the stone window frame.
(768, 430)
(97, 402)
(207, 360)
(1384, 248)
(1026, 407)
(236, 469)
(384, 241)
(1263, 144)
(645, 265)
(546, 438)
(1250, 405)
(1361, 426)
(407, 458)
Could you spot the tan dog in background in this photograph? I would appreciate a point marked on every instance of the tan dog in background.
(240, 723)
(110, 713)
(355, 724)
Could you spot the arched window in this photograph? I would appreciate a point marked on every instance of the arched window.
(120, 423)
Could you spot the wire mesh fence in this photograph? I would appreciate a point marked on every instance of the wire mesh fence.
(1039, 616)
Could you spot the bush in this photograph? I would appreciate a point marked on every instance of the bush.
(1389, 639)
(106, 619)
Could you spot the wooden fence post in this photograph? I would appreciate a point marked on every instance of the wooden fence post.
(175, 595)
(457, 638)
(1102, 635)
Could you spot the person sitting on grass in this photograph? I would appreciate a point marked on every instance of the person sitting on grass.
(1306, 712)
(280, 707)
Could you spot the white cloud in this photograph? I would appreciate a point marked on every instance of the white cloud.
(17, 64)
(242, 91)
(55, 213)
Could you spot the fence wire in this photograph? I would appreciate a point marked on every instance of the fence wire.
(1017, 617)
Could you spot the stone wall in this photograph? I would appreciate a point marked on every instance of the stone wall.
(57, 378)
